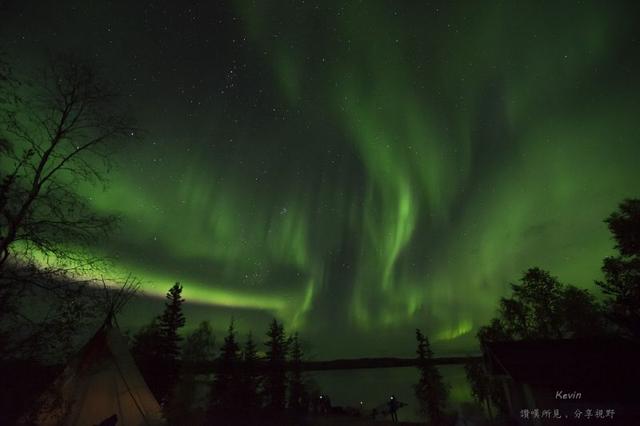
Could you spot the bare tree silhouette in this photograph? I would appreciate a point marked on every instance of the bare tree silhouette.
(58, 131)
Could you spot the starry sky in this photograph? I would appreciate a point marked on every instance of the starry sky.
(356, 169)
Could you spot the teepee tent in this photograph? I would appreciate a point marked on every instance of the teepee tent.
(100, 386)
(100, 383)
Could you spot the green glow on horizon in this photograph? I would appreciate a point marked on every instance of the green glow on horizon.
(463, 328)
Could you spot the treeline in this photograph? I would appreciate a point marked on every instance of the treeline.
(541, 307)
(246, 389)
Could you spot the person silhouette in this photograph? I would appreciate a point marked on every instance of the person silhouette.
(393, 408)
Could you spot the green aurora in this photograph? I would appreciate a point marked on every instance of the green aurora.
(359, 169)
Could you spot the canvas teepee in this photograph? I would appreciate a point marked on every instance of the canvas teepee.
(100, 386)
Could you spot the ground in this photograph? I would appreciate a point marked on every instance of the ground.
(354, 421)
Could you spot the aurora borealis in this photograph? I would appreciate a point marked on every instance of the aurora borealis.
(357, 169)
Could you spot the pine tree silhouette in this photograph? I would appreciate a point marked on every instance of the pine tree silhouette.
(297, 391)
(224, 401)
(156, 347)
(171, 320)
(430, 390)
(198, 348)
(275, 377)
(250, 382)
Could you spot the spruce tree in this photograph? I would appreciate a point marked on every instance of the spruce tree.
(275, 378)
(157, 347)
(250, 381)
(297, 392)
(199, 347)
(146, 352)
(170, 321)
(224, 401)
(430, 390)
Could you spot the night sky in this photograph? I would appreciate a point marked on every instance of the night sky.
(356, 169)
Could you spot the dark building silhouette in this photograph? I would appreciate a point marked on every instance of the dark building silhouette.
(568, 381)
